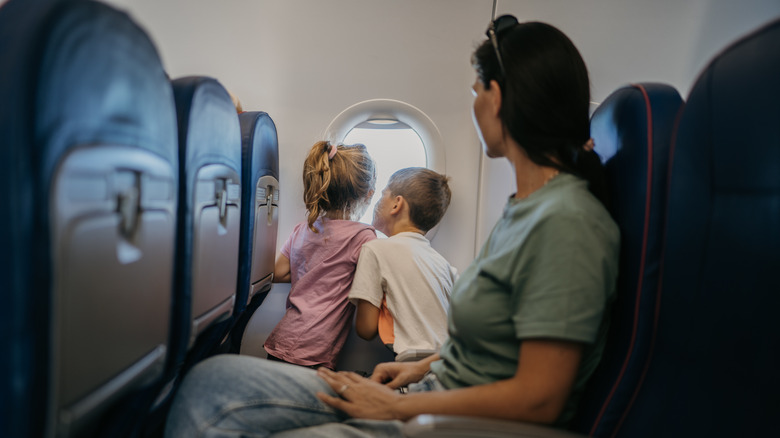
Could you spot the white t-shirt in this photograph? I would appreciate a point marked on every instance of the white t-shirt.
(416, 282)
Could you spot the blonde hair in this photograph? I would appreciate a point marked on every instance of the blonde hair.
(338, 184)
(236, 102)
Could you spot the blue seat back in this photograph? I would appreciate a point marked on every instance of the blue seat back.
(209, 216)
(632, 130)
(714, 362)
(88, 162)
(259, 216)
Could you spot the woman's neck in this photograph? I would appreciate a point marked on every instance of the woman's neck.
(529, 176)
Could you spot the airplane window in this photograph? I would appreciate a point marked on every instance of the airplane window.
(393, 145)
(396, 134)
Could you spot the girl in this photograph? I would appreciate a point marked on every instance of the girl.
(320, 256)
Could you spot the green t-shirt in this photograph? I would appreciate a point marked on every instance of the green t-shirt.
(547, 270)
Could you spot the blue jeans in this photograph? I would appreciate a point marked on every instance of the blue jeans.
(243, 396)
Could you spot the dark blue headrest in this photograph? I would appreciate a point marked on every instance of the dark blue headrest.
(208, 125)
(638, 113)
(260, 144)
(74, 73)
(121, 97)
(77, 73)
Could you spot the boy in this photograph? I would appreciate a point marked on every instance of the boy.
(402, 285)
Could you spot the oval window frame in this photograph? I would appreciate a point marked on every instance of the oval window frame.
(392, 109)
(403, 112)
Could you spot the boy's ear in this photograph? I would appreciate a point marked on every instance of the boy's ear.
(398, 204)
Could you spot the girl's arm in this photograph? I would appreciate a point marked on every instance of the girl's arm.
(537, 393)
(367, 320)
(282, 269)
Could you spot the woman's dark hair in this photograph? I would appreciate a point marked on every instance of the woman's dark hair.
(545, 98)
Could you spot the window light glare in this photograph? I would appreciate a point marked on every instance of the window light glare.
(391, 149)
(384, 122)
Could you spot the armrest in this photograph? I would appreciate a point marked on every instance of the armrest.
(412, 355)
(450, 426)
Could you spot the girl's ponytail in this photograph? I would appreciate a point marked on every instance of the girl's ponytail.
(337, 179)
(316, 179)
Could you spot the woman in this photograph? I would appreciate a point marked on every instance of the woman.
(526, 320)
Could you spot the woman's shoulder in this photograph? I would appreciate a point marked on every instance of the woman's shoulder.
(569, 204)
(569, 196)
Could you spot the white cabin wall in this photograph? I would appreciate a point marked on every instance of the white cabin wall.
(304, 61)
(623, 42)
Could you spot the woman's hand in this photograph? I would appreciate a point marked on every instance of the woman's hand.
(398, 374)
(360, 397)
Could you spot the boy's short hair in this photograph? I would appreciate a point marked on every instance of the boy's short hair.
(427, 193)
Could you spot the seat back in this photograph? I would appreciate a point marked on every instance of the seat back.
(632, 130)
(259, 217)
(716, 348)
(209, 215)
(89, 167)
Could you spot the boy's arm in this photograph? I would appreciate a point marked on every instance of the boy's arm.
(366, 293)
(367, 320)
(282, 269)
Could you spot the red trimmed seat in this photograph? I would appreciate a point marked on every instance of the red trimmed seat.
(633, 127)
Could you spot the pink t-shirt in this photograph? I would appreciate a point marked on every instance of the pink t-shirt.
(319, 315)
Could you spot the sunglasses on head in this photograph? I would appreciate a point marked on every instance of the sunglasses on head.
(497, 26)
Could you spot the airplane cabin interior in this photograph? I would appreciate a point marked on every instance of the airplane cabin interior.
(142, 213)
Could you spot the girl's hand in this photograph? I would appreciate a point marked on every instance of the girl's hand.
(360, 397)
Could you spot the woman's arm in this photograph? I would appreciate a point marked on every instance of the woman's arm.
(282, 269)
(537, 392)
(367, 320)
